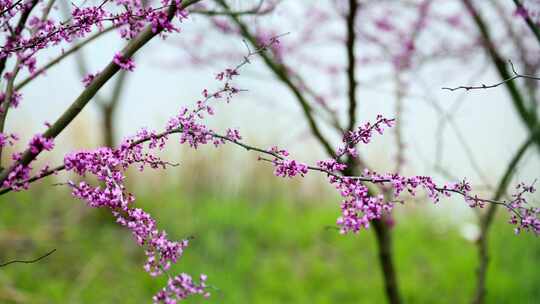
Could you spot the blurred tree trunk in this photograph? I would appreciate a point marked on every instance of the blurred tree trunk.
(384, 241)
(529, 117)
(108, 111)
(383, 237)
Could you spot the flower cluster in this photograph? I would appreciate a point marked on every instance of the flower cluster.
(40, 143)
(180, 287)
(363, 134)
(233, 135)
(18, 177)
(331, 165)
(129, 17)
(525, 218)
(87, 80)
(358, 207)
(109, 166)
(123, 62)
(14, 100)
(191, 130)
(8, 139)
(289, 168)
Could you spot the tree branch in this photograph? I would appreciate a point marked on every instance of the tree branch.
(505, 81)
(28, 261)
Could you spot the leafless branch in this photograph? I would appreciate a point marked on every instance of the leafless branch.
(29, 261)
(491, 86)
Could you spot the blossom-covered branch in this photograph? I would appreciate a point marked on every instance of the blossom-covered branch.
(359, 207)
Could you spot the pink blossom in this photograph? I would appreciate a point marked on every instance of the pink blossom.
(124, 63)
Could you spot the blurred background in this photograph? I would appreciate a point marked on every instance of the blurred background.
(263, 239)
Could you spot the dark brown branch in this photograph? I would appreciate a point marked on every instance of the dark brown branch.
(28, 261)
(384, 241)
(109, 110)
(505, 81)
(350, 44)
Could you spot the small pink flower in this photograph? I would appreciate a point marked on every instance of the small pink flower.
(124, 63)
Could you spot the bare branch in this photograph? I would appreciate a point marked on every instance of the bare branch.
(491, 86)
(28, 261)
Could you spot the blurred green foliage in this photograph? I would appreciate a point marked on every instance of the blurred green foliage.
(253, 250)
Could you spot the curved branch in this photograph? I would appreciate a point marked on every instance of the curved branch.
(505, 81)
(29, 261)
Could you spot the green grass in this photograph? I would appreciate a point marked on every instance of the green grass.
(253, 251)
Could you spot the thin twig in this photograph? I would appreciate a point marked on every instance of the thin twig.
(29, 261)
(491, 86)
